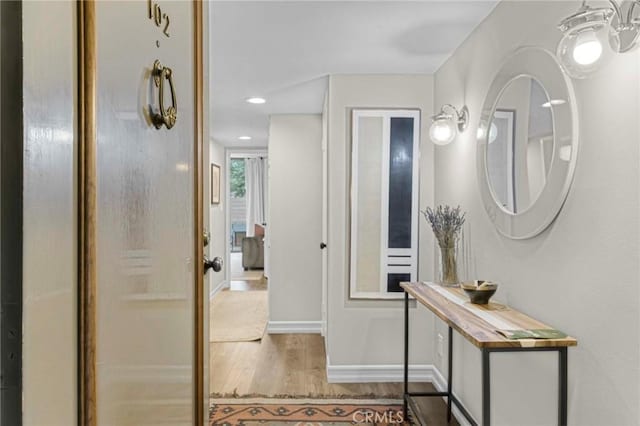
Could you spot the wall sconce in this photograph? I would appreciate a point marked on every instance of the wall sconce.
(591, 35)
(447, 123)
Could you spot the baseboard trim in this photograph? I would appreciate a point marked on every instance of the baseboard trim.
(439, 381)
(425, 373)
(440, 384)
(219, 287)
(294, 327)
(378, 373)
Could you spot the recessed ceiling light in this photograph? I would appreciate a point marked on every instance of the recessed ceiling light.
(244, 138)
(553, 102)
(256, 100)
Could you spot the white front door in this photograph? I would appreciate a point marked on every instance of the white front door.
(145, 206)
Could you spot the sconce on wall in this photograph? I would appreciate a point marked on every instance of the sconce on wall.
(447, 123)
(591, 35)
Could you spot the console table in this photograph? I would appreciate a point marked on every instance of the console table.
(478, 324)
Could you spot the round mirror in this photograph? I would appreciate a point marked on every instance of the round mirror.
(527, 143)
(521, 144)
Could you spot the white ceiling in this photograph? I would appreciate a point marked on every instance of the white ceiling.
(284, 50)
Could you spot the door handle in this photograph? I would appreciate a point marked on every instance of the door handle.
(323, 246)
(166, 117)
(215, 264)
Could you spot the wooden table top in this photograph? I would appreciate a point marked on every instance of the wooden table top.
(472, 326)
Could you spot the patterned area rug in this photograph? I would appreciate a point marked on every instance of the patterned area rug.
(308, 412)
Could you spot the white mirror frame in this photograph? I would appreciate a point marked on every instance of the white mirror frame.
(542, 65)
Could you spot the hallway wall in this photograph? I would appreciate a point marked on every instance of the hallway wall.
(581, 275)
(294, 218)
(369, 332)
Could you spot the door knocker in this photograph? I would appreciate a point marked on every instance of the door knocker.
(169, 116)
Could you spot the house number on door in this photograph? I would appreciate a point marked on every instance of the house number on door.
(157, 17)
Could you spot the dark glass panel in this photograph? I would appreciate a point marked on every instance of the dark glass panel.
(400, 182)
(394, 280)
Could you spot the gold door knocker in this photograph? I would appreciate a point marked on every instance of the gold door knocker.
(169, 116)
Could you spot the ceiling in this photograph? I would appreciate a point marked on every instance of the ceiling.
(283, 51)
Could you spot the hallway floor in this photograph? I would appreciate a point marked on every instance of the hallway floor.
(239, 274)
(280, 365)
(294, 365)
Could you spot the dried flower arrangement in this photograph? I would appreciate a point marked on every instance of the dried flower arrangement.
(446, 223)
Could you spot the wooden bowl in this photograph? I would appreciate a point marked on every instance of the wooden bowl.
(479, 291)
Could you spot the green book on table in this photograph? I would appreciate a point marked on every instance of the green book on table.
(544, 333)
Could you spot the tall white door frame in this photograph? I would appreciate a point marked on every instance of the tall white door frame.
(325, 218)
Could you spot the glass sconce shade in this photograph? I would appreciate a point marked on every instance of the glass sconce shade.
(446, 125)
(443, 130)
(588, 42)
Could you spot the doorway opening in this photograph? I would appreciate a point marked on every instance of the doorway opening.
(247, 207)
(239, 310)
(287, 82)
(247, 189)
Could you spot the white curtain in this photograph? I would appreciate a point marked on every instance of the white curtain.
(255, 175)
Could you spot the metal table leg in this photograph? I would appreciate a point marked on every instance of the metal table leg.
(450, 375)
(562, 387)
(486, 388)
(406, 355)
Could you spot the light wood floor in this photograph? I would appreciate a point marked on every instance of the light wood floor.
(294, 365)
(251, 285)
(281, 364)
(238, 272)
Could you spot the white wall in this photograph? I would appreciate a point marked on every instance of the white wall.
(217, 213)
(370, 332)
(50, 227)
(295, 217)
(581, 274)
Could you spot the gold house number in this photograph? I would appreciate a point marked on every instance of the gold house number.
(160, 19)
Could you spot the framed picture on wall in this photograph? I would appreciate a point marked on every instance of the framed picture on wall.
(384, 202)
(215, 184)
